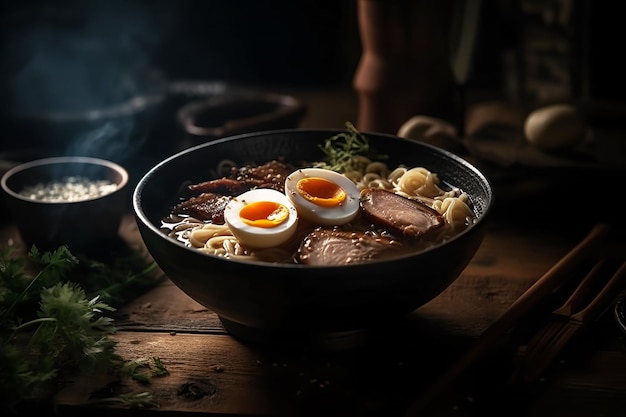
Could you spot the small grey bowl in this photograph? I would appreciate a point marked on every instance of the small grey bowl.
(54, 214)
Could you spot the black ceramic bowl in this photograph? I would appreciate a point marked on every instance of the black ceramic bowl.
(290, 303)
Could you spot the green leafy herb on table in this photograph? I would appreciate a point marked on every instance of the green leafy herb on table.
(143, 369)
(49, 325)
(132, 400)
(345, 152)
(117, 279)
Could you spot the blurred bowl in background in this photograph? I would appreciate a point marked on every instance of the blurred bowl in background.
(74, 200)
(239, 111)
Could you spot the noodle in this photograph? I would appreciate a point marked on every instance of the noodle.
(454, 210)
(396, 174)
(419, 182)
(379, 168)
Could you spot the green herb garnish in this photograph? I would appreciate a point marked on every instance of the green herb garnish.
(50, 326)
(347, 151)
(143, 369)
(67, 331)
(131, 400)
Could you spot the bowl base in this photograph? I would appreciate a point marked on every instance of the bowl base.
(293, 340)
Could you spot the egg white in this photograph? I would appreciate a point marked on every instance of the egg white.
(328, 216)
(260, 237)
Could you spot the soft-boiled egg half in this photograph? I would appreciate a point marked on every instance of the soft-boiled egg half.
(261, 218)
(323, 196)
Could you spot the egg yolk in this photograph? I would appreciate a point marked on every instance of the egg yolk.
(265, 214)
(321, 192)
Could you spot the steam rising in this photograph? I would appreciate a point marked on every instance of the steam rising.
(91, 65)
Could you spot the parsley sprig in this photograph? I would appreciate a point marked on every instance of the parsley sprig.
(143, 369)
(49, 326)
(345, 151)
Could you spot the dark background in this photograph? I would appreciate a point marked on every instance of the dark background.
(69, 52)
(53, 49)
(68, 55)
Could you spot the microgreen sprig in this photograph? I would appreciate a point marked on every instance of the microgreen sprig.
(345, 151)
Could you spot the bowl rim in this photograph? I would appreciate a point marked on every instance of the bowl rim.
(60, 160)
(142, 217)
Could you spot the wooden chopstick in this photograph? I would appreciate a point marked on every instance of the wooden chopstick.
(530, 363)
(525, 304)
(577, 298)
(604, 298)
(568, 321)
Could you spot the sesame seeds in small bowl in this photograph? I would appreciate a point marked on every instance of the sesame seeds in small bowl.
(73, 200)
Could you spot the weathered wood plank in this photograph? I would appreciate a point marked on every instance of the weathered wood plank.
(234, 379)
(223, 372)
(168, 308)
(239, 380)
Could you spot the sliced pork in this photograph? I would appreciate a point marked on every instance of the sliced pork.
(398, 214)
(206, 206)
(241, 179)
(341, 247)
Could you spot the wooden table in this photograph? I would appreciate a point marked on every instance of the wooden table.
(212, 373)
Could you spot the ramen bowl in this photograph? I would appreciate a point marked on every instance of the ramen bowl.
(72, 200)
(296, 305)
